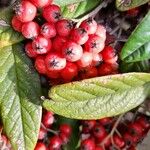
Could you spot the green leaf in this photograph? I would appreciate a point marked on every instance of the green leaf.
(79, 9)
(99, 97)
(132, 50)
(64, 2)
(124, 5)
(19, 98)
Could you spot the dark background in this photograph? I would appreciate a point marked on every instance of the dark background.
(4, 3)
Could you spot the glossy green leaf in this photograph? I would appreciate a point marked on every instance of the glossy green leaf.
(133, 50)
(79, 9)
(99, 97)
(124, 5)
(66, 2)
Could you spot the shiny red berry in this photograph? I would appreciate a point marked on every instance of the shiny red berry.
(88, 125)
(41, 3)
(87, 144)
(55, 143)
(48, 30)
(70, 71)
(53, 74)
(64, 27)
(97, 59)
(42, 133)
(66, 129)
(72, 51)
(16, 24)
(40, 146)
(52, 13)
(25, 11)
(41, 45)
(89, 72)
(101, 32)
(48, 119)
(85, 60)
(94, 44)
(40, 64)
(55, 62)
(58, 43)
(89, 25)
(30, 30)
(29, 50)
(128, 138)
(143, 121)
(105, 121)
(79, 35)
(118, 141)
(64, 138)
(98, 148)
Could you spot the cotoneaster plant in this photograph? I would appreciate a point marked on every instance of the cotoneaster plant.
(65, 81)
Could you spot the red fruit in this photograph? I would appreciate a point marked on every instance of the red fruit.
(25, 11)
(89, 72)
(89, 25)
(133, 12)
(53, 74)
(52, 13)
(105, 69)
(55, 62)
(40, 146)
(99, 148)
(95, 44)
(58, 42)
(41, 45)
(88, 125)
(97, 59)
(72, 51)
(105, 121)
(132, 148)
(16, 24)
(41, 3)
(143, 121)
(70, 71)
(108, 53)
(79, 35)
(128, 138)
(48, 30)
(55, 143)
(48, 119)
(118, 141)
(30, 30)
(64, 138)
(30, 51)
(42, 133)
(66, 129)
(40, 64)
(64, 27)
(99, 132)
(101, 32)
(86, 60)
(87, 144)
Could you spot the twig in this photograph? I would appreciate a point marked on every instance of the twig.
(49, 130)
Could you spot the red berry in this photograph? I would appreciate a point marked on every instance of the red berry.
(40, 146)
(42, 133)
(55, 143)
(105, 121)
(108, 53)
(97, 59)
(52, 13)
(53, 74)
(143, 121)
(64, 138)
(30, 30)
(79, 35)
(55, 62)
(48, 119)
(133, 12)
(64, 27)
(70, 71)
(101, 32)
(40, 64)
(72, 51)
(118, 141)
(41, 3)
(89, 25)
(86, 60)
(89, 72)
(99, 148)
(48, 30)
(66, 129)
(41, 45)
(94, 44)
(87, 144)
(58, 42)
(16, 24)
(88, 125)
(128, 138)
(99, 132)
(30, 51)
(25, 11)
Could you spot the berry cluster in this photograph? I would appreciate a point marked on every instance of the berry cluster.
(59, 138)
(60, 49)
(109, 134)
